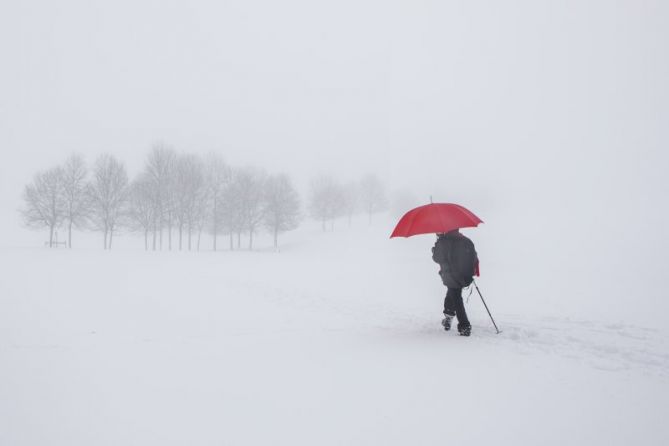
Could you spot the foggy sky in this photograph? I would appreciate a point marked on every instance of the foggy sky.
(556, 108)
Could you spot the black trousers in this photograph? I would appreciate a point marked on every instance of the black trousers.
(454, 306)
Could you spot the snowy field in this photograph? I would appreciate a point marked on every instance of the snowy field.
(335, 340)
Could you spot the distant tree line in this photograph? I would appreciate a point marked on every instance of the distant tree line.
(329, 199)
(177, 197)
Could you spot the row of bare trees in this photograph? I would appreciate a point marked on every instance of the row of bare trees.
(172, 201)
(177, 197)
(329, 199)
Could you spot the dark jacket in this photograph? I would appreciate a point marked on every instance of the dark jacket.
(457, 258)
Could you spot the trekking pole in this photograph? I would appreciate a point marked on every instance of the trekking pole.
(486, 307)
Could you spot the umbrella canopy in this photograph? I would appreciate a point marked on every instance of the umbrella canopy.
(435, 218)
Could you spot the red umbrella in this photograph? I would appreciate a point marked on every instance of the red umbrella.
(435, 218)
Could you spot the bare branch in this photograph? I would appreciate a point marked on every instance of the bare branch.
(282, 206)
(43, 204)
(108, 193)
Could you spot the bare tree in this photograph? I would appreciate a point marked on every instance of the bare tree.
(108, 192)
(326, 200)
(282, 206)
(75, 200)
(43, 201)
(202, 212)
(230, 210)
(249, 188)
(218, 176)
(351, 200)
(160, 170)
(372, 195)
(142, 207)
(188, 190)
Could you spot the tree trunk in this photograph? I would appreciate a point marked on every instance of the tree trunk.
(51, 236)
(69, 235)
(111, 237)
(181, 230)
(250, 239)
(276, 237)
(105, 238)
(190, 233)
(214, 222)
(160, 238)
(155, 234)
(239, 239)
(232, 245)
(199, 236)
(169, 236)
(146, 239)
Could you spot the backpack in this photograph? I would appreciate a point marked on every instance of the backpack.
(458, 259)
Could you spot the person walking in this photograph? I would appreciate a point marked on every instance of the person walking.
(459, 263)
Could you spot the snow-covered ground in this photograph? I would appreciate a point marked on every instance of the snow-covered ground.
(334, 340)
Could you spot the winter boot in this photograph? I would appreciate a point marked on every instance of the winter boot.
(464, 330)
(446, 321)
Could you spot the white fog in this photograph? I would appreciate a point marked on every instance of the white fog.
(322, 123)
